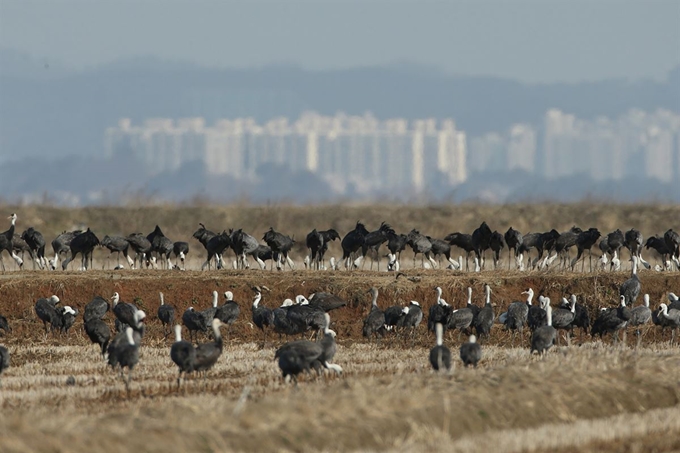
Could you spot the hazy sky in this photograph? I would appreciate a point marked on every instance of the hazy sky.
(537, 41)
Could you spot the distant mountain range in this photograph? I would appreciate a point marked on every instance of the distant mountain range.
(47, 111)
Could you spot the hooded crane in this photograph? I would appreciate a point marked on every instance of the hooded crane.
(4, 360)
(117, 244)
(166, 314)
(84, 244)
(299, 356)
(162, 246)
(229, 311)
(326, 301)
(96, 309)
(585, 241)
(633, 240)
(61, 246)
(47, 311)
(374, 323)
(462, 241)
(631, 287)
(4, 325)
(518, 313)
(180, 249)
(396, 243)
(413, 318)
(352, 242)
(544, 337)
(440, 248)
(36, 242)
(671, 319)
(215, 246)
(513, 239)
(203, 235)
(440, 356)
(484, 319)
(537, 314)
(6, 239)
(439, 312)
(639, 316)
(317, 242)
(98, 332)
(563, 317)
(420, 244)
(481, 241)
(566, 241)
(329, 347)
(373, 241)
(581, 316)
(125, 354)
(209, 313)
(263, 317)
(208, 353)
(281, 246)
(194, 321)
(66, 317)
(245, 245)
(183, 354)
(471, 352)
(142, 247)
(124, 312)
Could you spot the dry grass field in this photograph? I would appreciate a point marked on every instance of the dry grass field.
(592, 396)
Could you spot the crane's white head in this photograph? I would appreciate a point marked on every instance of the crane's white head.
(405, 310)
(672, 297)
(54, 299)
(115, 298)
(663, 308)
(473, 339)
(573, 299)
(439, 291)
(257, 298)
(13, 218)
(139, 315)
(229, 295)
(301, 300)
(287, 303)
(68, 309)
(178, 332)
(622, 299)
(413, 302)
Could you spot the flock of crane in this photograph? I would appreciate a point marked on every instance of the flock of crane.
(301, 315)
(155, 249)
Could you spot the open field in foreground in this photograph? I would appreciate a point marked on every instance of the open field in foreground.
(591, 396)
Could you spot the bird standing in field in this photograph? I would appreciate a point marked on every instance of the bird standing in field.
(471, 352)
(208, 353)
(166, 314)
(263, 317)
(440, 356)
(183, 354)
(374, 323)
(544, 337)
(228, 312)
(4, 361)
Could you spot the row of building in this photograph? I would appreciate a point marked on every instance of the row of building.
(637, 144)
(396, 155)
(361, 151)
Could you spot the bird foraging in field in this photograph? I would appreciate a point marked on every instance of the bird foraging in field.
(183, 354)
(440, 356)
(471, 352)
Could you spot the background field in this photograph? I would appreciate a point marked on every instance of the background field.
(179, 222)
(591, 396)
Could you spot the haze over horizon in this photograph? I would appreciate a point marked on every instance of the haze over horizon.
(527, 40)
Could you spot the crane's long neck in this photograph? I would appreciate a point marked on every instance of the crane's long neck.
(257, 299)
(130, 338)
(374, 302)
(178, 333)
(548, 313)
(439, 329)
(162, 301)
(469, 301)
(439, 294)
(530, 297)
(488, 295)
(215, 299)
(633, 272)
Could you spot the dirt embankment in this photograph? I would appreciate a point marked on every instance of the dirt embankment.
(19, 291)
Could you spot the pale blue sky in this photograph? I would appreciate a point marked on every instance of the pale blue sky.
(529, 40)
